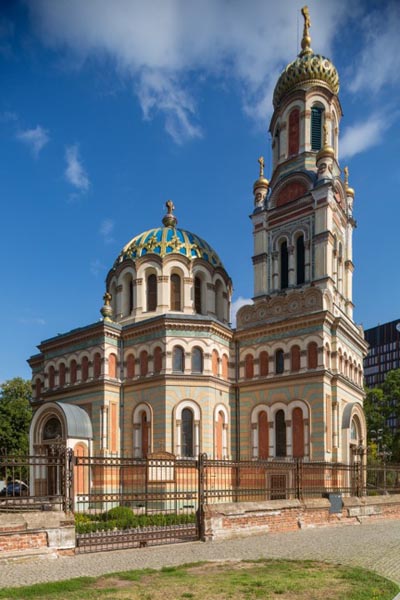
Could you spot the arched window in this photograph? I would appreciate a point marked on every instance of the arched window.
(145, 434)
(264, 363)
(130, 296)
(249, 366)
(298, 433)
(340, 367)
(112, 366)
(280, 434)
(295, 358)
(197, 296)
(219, 300)
(312, 355)
(61, 374)
(178, 359)
(277, 145)
(51, 377)
(176, 303)
(187, 433)
(152, 292)
(263, 435)
(219, 433)
(225, 366)
(130, 366)
(144, 363)
(214, 363)
(327, 357)
(197, 360)
(38, 388)
(279, 362)
(284, 261)
(300, 260)
(316, 127)
(97, 365)
(157, 359)
(52, 429)
(73, 371)
(294, 131)
(85, 368)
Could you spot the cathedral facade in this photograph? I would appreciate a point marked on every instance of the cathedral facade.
(165, 371)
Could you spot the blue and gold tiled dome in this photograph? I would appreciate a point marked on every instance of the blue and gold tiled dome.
(167, 240)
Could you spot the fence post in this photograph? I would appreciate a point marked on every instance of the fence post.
(201, 495)
(299, 478)
(68, 480)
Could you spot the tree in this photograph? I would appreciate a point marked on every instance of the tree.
(15, 415)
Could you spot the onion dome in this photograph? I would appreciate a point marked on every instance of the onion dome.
(306, 68)
(169, 240)
(261, 182)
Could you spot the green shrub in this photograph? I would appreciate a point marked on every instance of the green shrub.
(122, 517)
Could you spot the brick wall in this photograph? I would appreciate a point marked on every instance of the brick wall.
(222, 521)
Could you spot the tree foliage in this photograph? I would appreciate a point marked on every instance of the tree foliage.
(381, 404)
(15, 415)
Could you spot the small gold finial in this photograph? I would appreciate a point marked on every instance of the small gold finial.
(107, 298)
(170, 220)
(346, 177)
(170, 206)
(306, 41)
(261, 162)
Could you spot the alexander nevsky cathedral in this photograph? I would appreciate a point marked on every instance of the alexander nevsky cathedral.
(164, 371)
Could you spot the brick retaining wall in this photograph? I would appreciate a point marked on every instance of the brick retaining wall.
(223, 521)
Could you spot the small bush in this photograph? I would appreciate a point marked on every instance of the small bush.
(122, 517)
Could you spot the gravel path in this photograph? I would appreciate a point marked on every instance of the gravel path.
(373, 545)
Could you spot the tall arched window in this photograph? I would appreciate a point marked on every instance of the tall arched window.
(144, 363)
(130, 366)
(97, 365)
(312, 355)
(145, 434)
(264, 363)
(51, 377)
(214, 363)
(157, 360)
(152, 292)
(178, 359)
(219, 432)
(112, 365)
(284, 263)
(295, 358)
(277, 145)
(187, 433)
(176, 302)
(298, 433)
(73, 371)
(294, 132)
(197, 295)
(279, 362)
(130, 296)
(316, 127)
(197, 360)
(85, 368)
(219, 300)
(263, 435)
(280, 434)
(249, 366)
(300, 260)
(61, 374)
(225, 366)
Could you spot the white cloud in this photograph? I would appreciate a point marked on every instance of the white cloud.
(75, 172)
(168, 47)
(106, 229)
(378, 63)
(97, 267)
(32, 321)
(362, 136)
(35, 139)
(238, 303)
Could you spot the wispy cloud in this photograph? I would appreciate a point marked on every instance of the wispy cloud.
(238, 303)
(75, 172)
(194, 41)
(32, 321)
(106, 229)
(378, 63)
(363, 136)
(97, 267)
(36, 139)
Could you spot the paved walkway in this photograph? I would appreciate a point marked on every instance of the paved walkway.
(375, 546)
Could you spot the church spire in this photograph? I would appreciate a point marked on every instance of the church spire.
(306, 41)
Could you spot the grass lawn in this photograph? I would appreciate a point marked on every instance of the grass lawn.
(279, 579)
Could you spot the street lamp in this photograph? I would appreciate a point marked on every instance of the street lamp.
(376, 436)
(359, 451)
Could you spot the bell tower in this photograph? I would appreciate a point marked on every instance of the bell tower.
(303, 227)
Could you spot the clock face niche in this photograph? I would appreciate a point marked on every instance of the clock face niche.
(290, 192)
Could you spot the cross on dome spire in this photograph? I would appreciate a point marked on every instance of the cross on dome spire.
(306, 41)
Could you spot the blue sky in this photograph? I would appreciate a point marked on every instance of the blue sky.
(108, 109)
